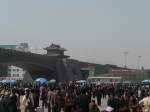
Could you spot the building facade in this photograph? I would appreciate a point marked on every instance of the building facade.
(11, 71)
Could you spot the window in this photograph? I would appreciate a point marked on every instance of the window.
(9, 70)
(14, 69)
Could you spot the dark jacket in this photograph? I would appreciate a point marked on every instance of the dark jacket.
(5, 105)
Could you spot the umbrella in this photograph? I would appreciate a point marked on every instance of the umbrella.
(41, 80)
(52, 81)
(13, 81)
(146, 81)
(81, 81)
(5, 81)
(135, 81)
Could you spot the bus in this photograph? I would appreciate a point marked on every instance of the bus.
(99, 80)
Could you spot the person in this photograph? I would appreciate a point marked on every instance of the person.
(6, 104)
(14, 101)
(1, 101)
(110, 103)
(139, 94)
(83, 101)
(71, 108)
(53, 100)
(66, 98)
(49, 99)
(44, 93)
(124, 104)
(36, 96)
(28, 101)
(93, 107)
(91, 104)
(145, 102)
(99, 95)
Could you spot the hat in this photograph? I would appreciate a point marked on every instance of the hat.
(109, 109)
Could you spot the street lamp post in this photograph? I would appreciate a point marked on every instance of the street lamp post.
(125, 59)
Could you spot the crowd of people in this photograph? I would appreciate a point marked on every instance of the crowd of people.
(72, 97)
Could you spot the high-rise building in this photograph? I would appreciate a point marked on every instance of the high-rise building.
(11, 71)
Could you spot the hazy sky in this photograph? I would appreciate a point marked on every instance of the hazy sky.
(92, 30)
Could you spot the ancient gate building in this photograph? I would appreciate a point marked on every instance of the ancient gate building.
(53, 65)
